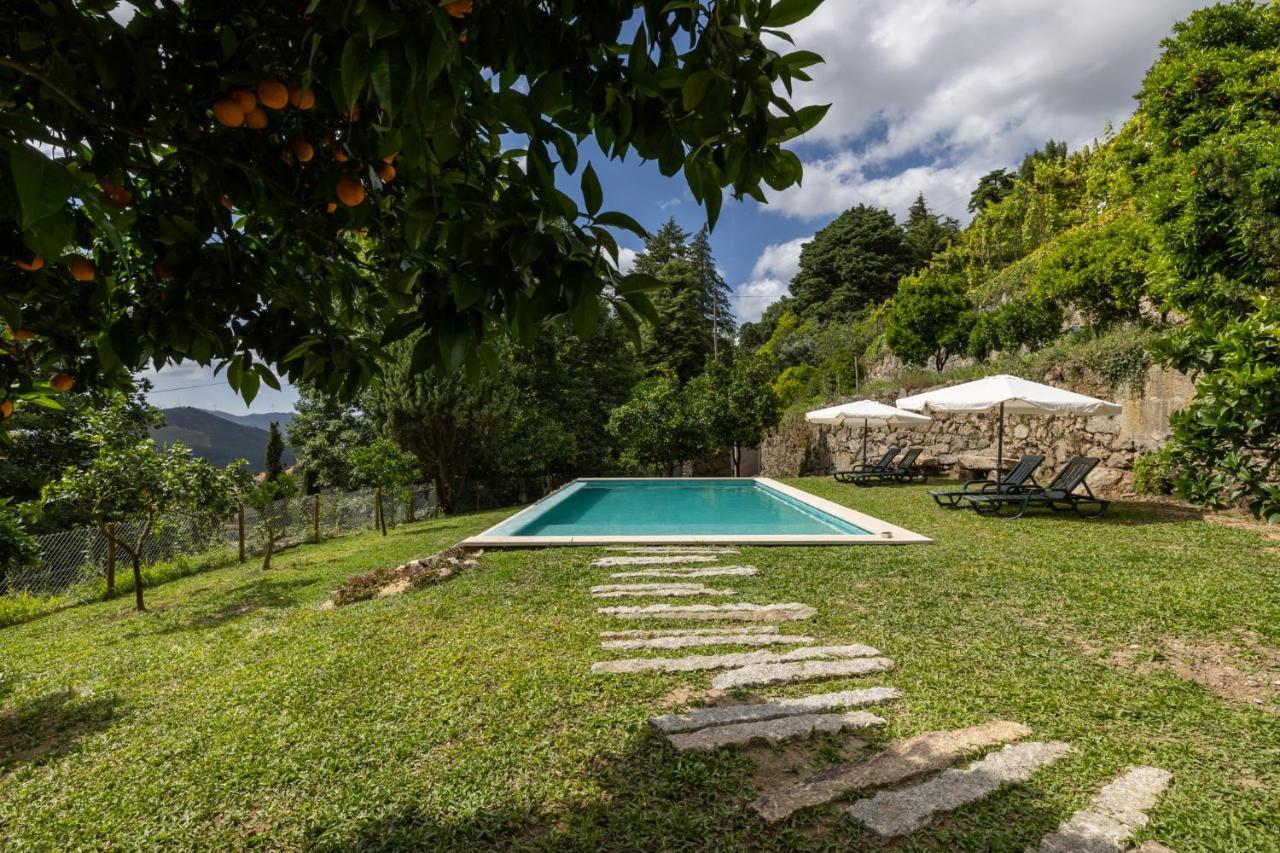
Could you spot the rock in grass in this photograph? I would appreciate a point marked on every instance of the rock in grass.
(1113, 816)
(785, 673)
(657, 590)
(654, 560)
(713, 572)
(733, 714)
(696, 663)
(771, 731)
(687, 632)
(741, 612)
(924, 753)
(679, 642)
(894, 813)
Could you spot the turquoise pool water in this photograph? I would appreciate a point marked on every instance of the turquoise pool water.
(672, 508)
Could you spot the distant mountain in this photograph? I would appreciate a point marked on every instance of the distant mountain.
(215, 437)
(259, 421)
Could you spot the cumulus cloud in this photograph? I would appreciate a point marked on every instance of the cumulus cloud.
(930, 95)
(626, 259)
(773, 271)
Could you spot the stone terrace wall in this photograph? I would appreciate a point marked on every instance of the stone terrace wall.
(797, 448)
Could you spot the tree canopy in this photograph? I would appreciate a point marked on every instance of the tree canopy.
(287, 189)
(852, 263)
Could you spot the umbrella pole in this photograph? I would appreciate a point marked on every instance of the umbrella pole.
(1000, 448)
(864, 441)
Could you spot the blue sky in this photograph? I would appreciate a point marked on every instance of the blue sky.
(926, 97)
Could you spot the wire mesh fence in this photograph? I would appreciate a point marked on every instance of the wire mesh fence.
(74, 562)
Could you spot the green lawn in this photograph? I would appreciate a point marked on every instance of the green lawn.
(238, 713)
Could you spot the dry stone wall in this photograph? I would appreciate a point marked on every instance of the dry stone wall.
(956, 443)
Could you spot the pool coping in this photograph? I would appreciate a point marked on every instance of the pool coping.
(879, 532)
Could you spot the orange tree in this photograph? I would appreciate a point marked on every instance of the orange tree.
(298, 184)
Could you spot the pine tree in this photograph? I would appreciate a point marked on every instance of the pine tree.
(275, 452)
(928, 233)
(715, 291)
(667, 244)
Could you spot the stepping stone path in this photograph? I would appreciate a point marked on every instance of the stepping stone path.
(771, 731)
(718, 571)
(719, 639)
(694, 663)
(669, 559)
(1106, 826)
(926, 753)
(741, 612)
(893, 813)
(657, 590)
(670, 724)
(1113, 816)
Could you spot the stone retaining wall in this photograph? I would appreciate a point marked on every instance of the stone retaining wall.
(797, 448)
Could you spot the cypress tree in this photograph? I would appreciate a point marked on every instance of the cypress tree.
(275, 452)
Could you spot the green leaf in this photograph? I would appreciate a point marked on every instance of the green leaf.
(787, 12)
(355, 71)
(380, 76)
(586, 314)
(592, 194)
(638, 282)
(267, 376)
(618, 219)
(695, 89)
(44, 186)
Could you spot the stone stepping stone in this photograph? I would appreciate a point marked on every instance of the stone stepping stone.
(1113, 816)
(657, 590)
(697, 663)
(715, 572)
(671, 559)
(704, 718)
(924, 753)
(679, 642)
(760, 674)
(669, 549)
(740, 612)
(894, 813)
(687, 632)
(771, 731)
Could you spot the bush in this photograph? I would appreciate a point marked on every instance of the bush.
(1153, 472)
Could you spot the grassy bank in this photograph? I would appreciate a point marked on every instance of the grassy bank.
(239, 713)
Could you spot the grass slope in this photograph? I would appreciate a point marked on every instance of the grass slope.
(463, 716)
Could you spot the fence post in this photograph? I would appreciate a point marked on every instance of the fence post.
(111, 561)
(240, 530)
(315, 518)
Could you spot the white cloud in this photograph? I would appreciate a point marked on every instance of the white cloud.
(626, 259)
(773, 271)
(955, 88)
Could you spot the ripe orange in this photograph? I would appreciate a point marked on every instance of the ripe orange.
(32, 265)
(226, 202)
(6, 409)
(391, 158)
(302, 97)
(273, 94)
(302, 150)
(82, 269)
(119, 195)
(22, 335)
(350, 191)
(245, 99)
(386, 172)
(228, 113)
(256, 119)
(61, 382)
(340, 154)
(459, 8)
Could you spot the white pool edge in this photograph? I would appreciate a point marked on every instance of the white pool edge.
(878, 532)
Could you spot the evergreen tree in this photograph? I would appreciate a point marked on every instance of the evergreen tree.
(275, 452)
(669, 243)
(854, 262)
(715, 290)
(928, 233)
(1052, 152)
(323, 433)
(992, 187)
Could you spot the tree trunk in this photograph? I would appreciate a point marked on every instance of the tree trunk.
(111, 562)
(736, 453)
(270, 546)
(444, 495)
(382, 519)
(137, 582)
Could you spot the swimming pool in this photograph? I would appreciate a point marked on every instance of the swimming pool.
(748, 511)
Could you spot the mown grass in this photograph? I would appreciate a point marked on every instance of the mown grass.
(462, 716)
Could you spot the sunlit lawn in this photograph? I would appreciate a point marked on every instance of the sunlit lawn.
(239, 713)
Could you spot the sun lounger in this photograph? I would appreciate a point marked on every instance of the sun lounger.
(885, 463)
(1013, 482)
(905, 471)
(1059, 496)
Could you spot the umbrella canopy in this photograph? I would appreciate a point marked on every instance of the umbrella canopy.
(870, 413)
(1011, 395)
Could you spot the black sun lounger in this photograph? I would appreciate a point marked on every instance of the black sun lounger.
(1014, 482)
(881, 466)
(1059, 496)
(905, 471)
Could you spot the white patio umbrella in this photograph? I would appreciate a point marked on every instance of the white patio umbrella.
(870, 413)
(1011, 395)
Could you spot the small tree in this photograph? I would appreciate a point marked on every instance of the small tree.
(129, 485)
(383, 465)
(929, 318)
(18, 548)
(736, 401)
(270, 498)
(659, 426)
(275, 452)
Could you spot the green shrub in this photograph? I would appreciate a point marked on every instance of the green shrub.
(1153, 472)
(17, 607)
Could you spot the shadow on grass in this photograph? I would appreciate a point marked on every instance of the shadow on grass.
(656, 799)
(47, 727)
(261, 593)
